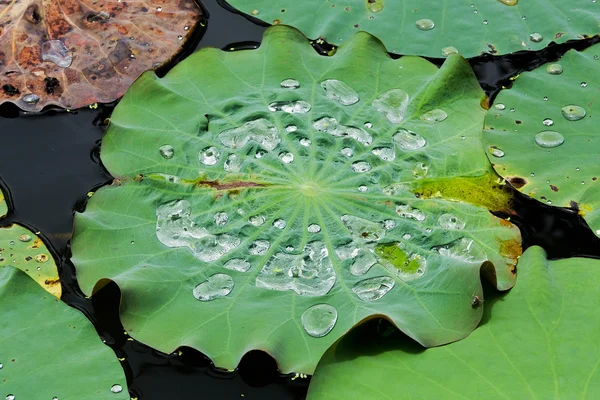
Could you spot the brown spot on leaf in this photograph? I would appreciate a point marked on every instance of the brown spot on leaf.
(554, 188)
(52, 282)
(228, 185)
(511, 249)
(516, 181)
(574, 205)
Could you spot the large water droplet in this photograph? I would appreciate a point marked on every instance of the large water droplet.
(314, 228)
(237, 264)
(209, 155)
(25, 238)
(500, 106)
(462, 249)
(334, 128)
(375, 5)
(175, 228)
(361, 166)
(215, 287)
(573, 113)
(279, 223)
(319, 320)
(31, 98)
(446, 51)
(221, 218)
(536, 37)
(290, 84)
(392, 104)
(291, 128)
(259, 247)
(347, 152)
(261, 131)
(362, 260)
(434, 116)
(166, 151)
(409, 140)
(233, 163)
(290, 107)
(373, 288)
(449, 221)
(10, 397)
(257, 220)
(549, 139)
(406, 211)
(509, 2)
(286, 157)
(363, 229)
(308, 274)
(554, 69)
(385, 153)
(55, 51)
(496, 152)
(340, 92)
(393, 257)
(425, 24)
(116, 388)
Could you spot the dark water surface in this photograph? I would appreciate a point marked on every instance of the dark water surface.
(50, 162)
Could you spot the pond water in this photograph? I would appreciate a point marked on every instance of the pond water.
(51, 161)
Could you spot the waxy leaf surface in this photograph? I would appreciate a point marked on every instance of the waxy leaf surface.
(436, 28)
(274, 198)
(539, 341)
(72, 53)
(542, 134)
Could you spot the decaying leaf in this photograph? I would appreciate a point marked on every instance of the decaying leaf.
(73, 53)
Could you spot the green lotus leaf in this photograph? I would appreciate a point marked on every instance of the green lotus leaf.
(272, 199)
(436, 28)
(3, 205)
(49, 350)
(541, 135)
(538, 342)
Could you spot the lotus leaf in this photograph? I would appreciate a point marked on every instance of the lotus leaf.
(3, 205)
(49, 350)
(72, 53)
(274, 198)
(436, 28)
(539, 341)
(541, 135)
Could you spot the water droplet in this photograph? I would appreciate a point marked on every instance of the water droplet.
(577, 169)
(406, 267)
(462, 249)
(305, 142)
(554, 69)
(373, 288)
(548, 122)
(290, 107)
(31, 98)
(536, 37)
(254, 12)
(41, 258)
(420, 171)
(347, 152)
(279, 223)
(409, 140)
(573, 113)
(215, 287)
(363, 229)
(512, 109)
(179, 37)
(385, 153)
(319, 320)
(291, 128)
(25, 238)
(549, 139)
(1, 366)
(392, 104)
(290, 84)
(308, 274)
(166, 151)
(389, 224)
(55, 51)
(175, 228)
(434, 116)
(260, 154)
(261, 131)
(485, 22)
(186, 28)
(116, 388)
(289, 248)
(375, 5)
(362, 188)
(496, 152)
(361, 166)
(406, 211)
(340, 92)
(10, 397)
(545, 98)
(286, 157)
(583, 84)
(209, 155)
(532, 174)
(446, 51)
(407, 236)
(237, 264)
(500, 106)
(509, 2)
(257, 220)
(449, 221)
(259, 247)
(425, 24)
(334, 128)
(314, 228)
(159, 9)
(233, 163)
(368, 125)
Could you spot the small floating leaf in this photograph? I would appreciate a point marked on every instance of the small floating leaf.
(316, 238)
